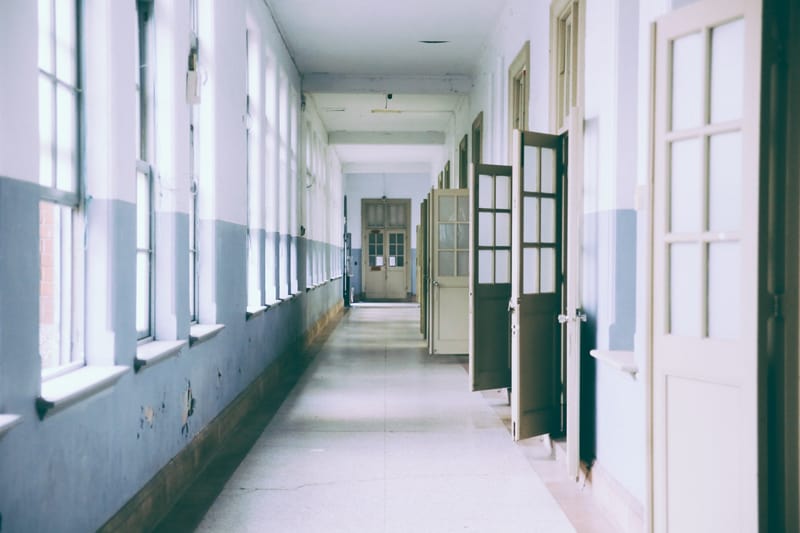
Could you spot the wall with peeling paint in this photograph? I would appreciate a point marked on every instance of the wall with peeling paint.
(75, 468)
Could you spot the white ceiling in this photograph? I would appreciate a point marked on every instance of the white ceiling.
(373, 40)
(381, 36)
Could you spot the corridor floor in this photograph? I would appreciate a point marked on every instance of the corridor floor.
(378, 436)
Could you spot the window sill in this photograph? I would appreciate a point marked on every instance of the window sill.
(621, 360)
(150, 353)
(7, 422)
(255, 310)
(71, 388)
(202, 332)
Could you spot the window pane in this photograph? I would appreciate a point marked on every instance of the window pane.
(46, 137)
(485, 185)
(531, 169)
(447, 208)
(548, 170)
(502, 266)
(45, 35)
(685, 291)
(447, 263)
(142, 211)
(485, 229)
(686, 191)
(66, 50)
(50, 286)
(485, 264)
(727, 74)
(548, 220)
(725, 181)
(548, 270)
(463, 264)
(447, 236)
(503, 198)
(724, 286)
(503, 235)
(67, 143)
(143, 294)
(530, 270)
(530, 215)
(463, 208)
(687, 81)
(462, 236)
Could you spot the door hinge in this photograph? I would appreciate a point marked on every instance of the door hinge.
(777, 306)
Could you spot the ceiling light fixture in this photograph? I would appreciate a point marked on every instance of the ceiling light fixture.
(433, 42)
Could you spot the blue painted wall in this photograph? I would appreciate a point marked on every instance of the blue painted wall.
(74, 469)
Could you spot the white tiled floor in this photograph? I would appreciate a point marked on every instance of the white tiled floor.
(380, 437)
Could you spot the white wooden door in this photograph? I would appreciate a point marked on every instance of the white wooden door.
(375, 267)
(396, 264)
(490, 277)
(536, 284)
(705, 263)
(450, 273)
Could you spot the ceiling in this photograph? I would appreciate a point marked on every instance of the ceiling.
(364, 49)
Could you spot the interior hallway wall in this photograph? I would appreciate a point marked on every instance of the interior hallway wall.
(359, 186)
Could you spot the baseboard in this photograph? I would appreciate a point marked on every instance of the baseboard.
(151, 504)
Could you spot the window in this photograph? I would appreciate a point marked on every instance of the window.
(145, 227)
(253, 175)
(60, 209)
(271, 182)
(463, 163)
(284, 268)
(194, 280)
(519, 89)
(564, 75)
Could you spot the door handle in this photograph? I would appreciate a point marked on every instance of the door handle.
(580, 316)
(563, 319)
(435, 283)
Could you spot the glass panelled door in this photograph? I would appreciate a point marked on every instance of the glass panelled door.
(536, 279)
(490, 277)
(705, 261)
(450, 271)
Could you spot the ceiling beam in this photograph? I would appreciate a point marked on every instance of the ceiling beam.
(382, 84)
(386, 137)
(362, 167)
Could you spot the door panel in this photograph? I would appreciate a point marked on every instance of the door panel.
(450, 271)
(490, 277)
(395, 261)
(422, 260)
(705, 263)
(536, 277)
(375, 275)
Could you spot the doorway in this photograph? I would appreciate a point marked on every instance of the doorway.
(385, 231)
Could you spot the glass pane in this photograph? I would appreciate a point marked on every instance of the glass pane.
(485, 229)
(463, 208)
(503, 198)
(530, 270)
(548, 256)
(724, 286)
(485, 263)
(66, 51)
(447, 236)
(50, 289)
(463, 264)
(142, 293)
(46, 138)
(447, 208)
(447, 264)
(685, 290)
(45, 35)
(530, 215)
(462, 236)
(548, 220)
(725, 182)
(485, 186)
(531, 169)
(687, 81)
(142, 211)
(727, 74)
(686, 191)
(548, 170)
(503, 235)
(502, 270)
(67, 169)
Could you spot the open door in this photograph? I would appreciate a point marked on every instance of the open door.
(490, 277)
(450, 271)
(705, 268)
(422, 261)
(536, 279)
